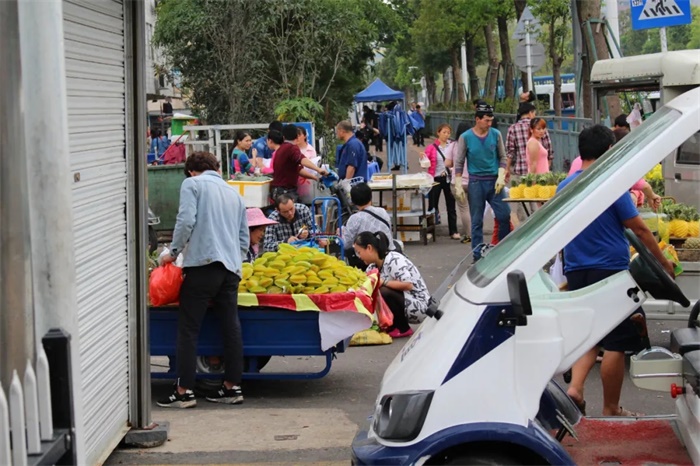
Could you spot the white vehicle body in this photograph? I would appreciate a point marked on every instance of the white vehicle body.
(479, 372)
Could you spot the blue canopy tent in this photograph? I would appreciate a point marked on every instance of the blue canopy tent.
(395, 131)
(378, 92)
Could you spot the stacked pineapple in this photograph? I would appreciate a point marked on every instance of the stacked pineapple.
(536, 186)
(299, 270)
(684, 220)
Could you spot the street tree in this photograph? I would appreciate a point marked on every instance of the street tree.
(240, 59)
(519, 8)
(555, 17)
(591, 10)
(505, 12)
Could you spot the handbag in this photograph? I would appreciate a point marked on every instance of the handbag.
(447, 170)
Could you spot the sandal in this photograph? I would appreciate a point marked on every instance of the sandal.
(581, 405)
(627, 413)
(466, 239)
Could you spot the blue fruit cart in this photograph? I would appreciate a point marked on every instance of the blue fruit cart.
(266, 332)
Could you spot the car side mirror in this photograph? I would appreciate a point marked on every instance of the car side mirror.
(519, 296)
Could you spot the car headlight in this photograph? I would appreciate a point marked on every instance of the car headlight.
(400, 416)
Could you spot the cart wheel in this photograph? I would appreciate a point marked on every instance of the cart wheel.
(258, 361)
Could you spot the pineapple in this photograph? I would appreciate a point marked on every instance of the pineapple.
(692, 243)
(530, 191)
(516, 190)
(542, 189)
(552, 185)
(694, 224)
(691, 250)
(678, 227)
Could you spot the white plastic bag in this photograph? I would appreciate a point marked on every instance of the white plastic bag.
(556, 271)
(178, 262)
(635, 116)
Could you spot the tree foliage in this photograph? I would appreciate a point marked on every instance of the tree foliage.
(239, 59)
(648, 41)
(555, 16)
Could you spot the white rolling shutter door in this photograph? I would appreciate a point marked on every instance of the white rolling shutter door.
(95, 61)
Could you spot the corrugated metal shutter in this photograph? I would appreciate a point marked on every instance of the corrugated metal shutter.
(95, 61)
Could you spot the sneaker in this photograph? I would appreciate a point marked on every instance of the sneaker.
(176, 400)
(232, 396)
(396, 333)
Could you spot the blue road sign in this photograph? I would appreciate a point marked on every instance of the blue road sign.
(647, 14)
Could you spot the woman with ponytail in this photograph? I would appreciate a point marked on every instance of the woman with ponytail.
(400, 282)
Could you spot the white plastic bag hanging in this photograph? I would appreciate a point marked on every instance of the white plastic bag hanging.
(556, 271)
(635, 116)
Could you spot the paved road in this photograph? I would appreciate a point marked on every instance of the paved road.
(313, 422)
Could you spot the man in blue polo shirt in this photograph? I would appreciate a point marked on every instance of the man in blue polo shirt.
(599, 251)
(352, 159)
(260, 144)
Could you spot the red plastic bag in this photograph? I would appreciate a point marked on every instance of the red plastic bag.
(385, 317)
(164, 285)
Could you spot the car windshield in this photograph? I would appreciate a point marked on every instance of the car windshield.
(497, 260)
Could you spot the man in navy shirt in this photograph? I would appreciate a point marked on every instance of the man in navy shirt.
(599, 251)
(352, 160)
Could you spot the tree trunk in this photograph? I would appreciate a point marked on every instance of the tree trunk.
(457, 75)
(446, 90)
(471, 67)
(519, 8)
(506, 59)
(556, 68)
(431, 88)
(590, 9)
(492, 73)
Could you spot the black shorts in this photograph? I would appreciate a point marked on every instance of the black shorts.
(627, 336)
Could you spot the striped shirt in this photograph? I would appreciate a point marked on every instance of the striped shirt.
(516, 146)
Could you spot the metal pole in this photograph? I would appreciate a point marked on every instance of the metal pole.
(528, 55)
(140, 414)
(578, 58)
(16, 320)
(50, 202)
(662, 36)
(613, 29)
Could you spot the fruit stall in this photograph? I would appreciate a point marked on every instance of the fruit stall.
(294, 302)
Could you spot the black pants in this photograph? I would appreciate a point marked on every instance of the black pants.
(418, 138)
(378, 142)
(434, 201)
(630, 335)
(396, 302)
(202, 285)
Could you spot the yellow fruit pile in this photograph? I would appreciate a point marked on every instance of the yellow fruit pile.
(302, 270)
(532, 186)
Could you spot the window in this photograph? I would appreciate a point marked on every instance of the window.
(575, 194)
(689, 152)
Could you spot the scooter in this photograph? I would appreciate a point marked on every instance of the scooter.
(474, 383)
